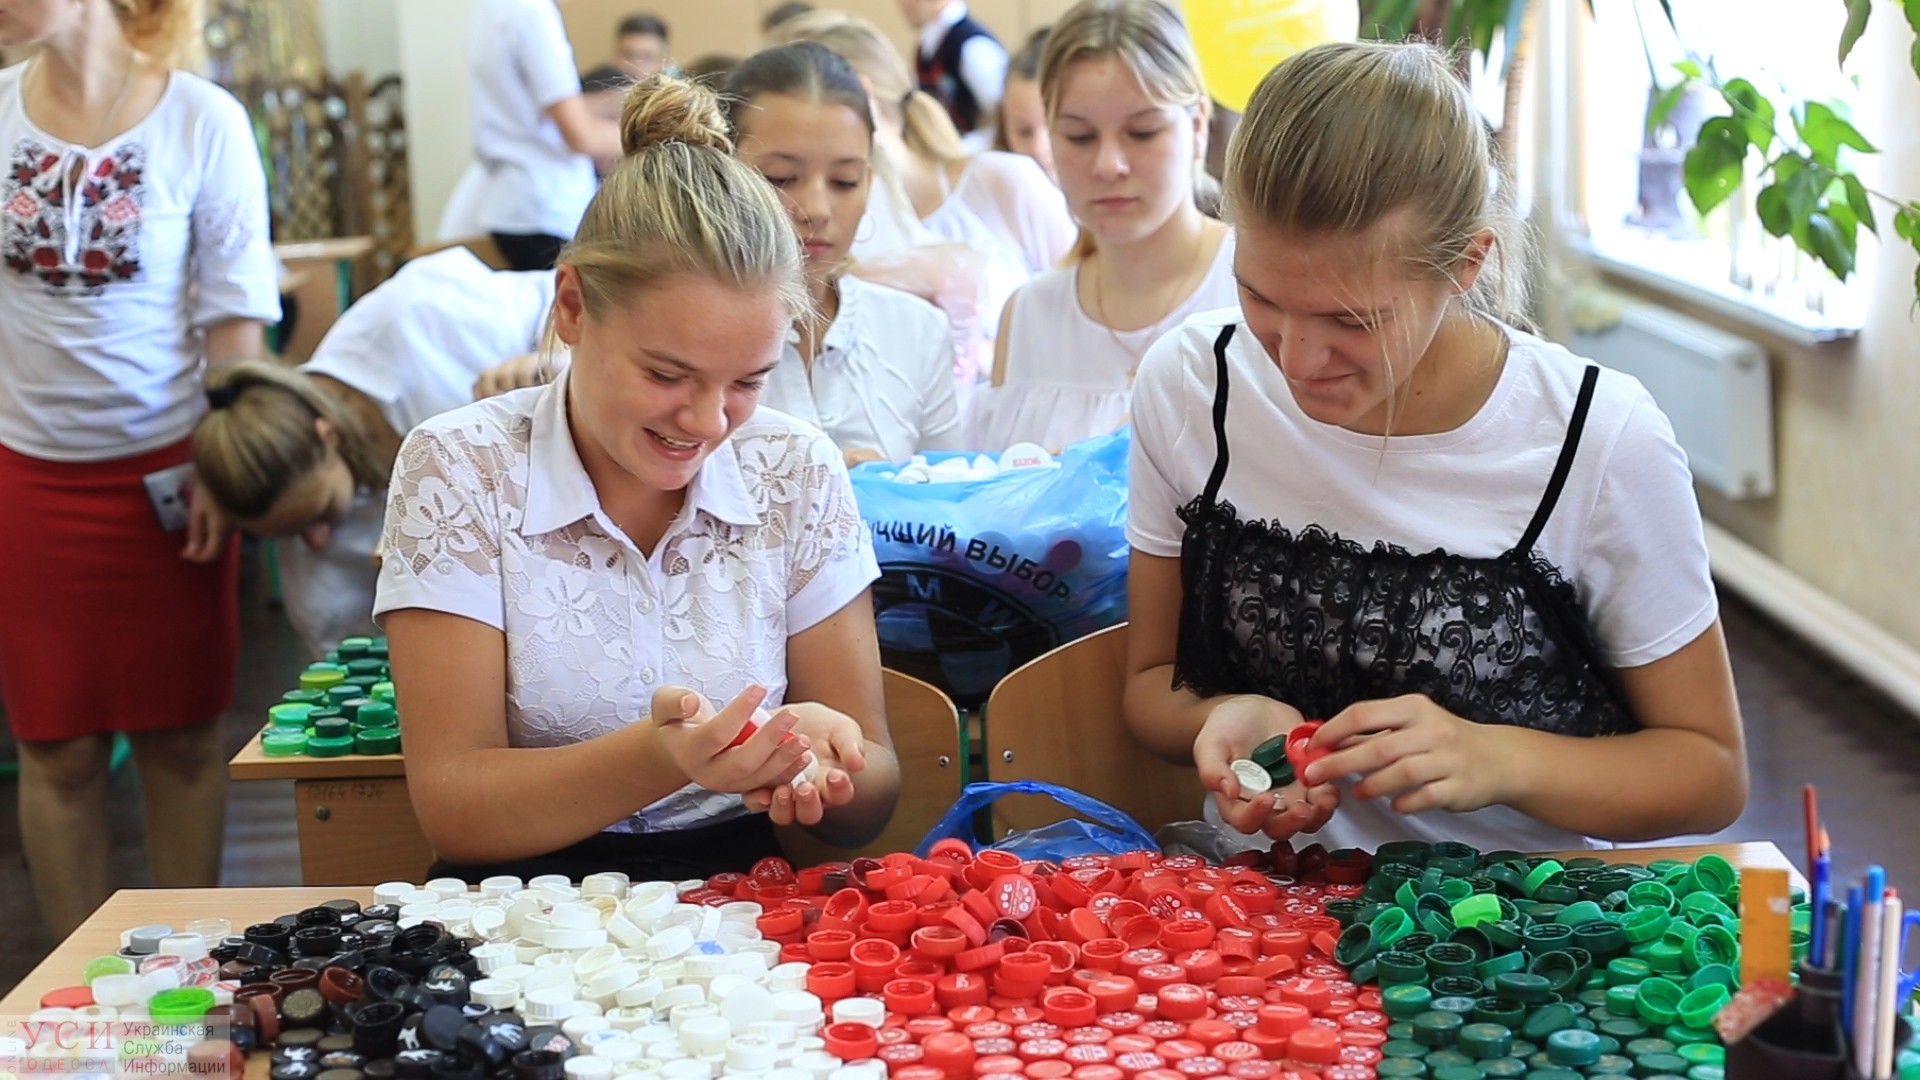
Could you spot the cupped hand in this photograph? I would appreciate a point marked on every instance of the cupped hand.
(840, 748)
(697, 738)
(1233, 728)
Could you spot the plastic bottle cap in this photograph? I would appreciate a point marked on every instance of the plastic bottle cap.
(377, 741)
(1253, 778)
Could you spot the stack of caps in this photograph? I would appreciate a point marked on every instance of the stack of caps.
(1278, 761)
(344, 705)
(1511, 966)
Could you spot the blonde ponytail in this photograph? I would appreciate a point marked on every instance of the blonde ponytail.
(260, 439)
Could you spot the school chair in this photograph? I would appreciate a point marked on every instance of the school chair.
(1057, 719)
(926, 738)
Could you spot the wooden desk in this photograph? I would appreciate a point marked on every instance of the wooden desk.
(176, 907)
(354, 815)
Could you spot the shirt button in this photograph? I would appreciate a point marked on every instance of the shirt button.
(646, 605)
(646, 675)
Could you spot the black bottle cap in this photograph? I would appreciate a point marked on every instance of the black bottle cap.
(318, 940)
(295, 1070)
(380, 1069)
(330, 1043)
(302, 1009)
(539, 1065)
(342, 1059)
(419, 1063)
(440, 1027)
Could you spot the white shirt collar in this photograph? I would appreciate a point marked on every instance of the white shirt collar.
(931, 33)
(559, 492)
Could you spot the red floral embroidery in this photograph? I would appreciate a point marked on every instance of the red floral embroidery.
(35, 217)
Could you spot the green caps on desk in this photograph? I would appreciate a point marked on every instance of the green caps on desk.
(1546, 1020)
(1666, 957)
(1659, 1000)
(335, 747)
(1547, 873)
(381, 691)
(377, 741)
(289, 714)
(1713, 945)
(1476, 909)
(332, 727)
(1716, 875)
(322, 680)
(1580, 911)
(1486, 1040)
(375, 714)
(1546, 937)
(1405, 1000)
(1698, 1007)
(1390, 926)
(1523, 987)
(1573, 1047)
(283, 742)
(185, 1005)
(1434, 1028)
(1645, 924)
(1354, 945)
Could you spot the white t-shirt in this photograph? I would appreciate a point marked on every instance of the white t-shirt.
(520, 64)
(414, 345)
(106, 285)
(1625, 531)
(883, 380)
(983, 61)
(1068, 377)
(492, 517)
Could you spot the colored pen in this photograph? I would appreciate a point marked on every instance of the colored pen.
(1849, 951)
(1817, 903)
(1866, 973)
(1889, 990)
(1810, 806)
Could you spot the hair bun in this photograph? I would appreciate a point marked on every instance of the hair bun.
(666, 109)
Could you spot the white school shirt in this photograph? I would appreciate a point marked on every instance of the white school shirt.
(519, 64)
(883, 380)
(415, 345)
(983, 61)
(1625, 530)
(107, 285)
(1068, 377)
(491, 516)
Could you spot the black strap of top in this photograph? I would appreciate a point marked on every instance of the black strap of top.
(1219, 474)
(1565, 465)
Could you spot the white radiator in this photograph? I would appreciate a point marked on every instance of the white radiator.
(1714, 386)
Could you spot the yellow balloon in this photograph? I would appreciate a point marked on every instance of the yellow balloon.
(1239, 41)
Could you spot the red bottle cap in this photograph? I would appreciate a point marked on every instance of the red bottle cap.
(1186, 935)
(851, 1042)
(1163, 1030)
(1273, 1045)
(1314, 1046)
(1088, 1053)
(1257, 1069)
(972, 1014)
(893, 1033)
(960, 989)
(1154, 976)
(1105, 954)
(1123, 1024)
(1311, 993)
(1024, 969)
(986, 1047)
(1283, 1018)
(1042, 1049)
(951, 1052)
(830, 944)
(781, 922)
(1182, 1001)
(1103, 1071)
(893, 915)
(1241, 1020)
(74, 997)
(1237, 941)
(920, 1072)
(1139, 1063)
(988, 1029)
(1021, 1014)
(1048, 1069)
(1203, 966)
(1037, 1029)
(1088, 1034)
(1249, 986)
(1003, 1064)
(1257, 897)
(979, 959)
(921, 1027)
(1178, 1050)
(1202, 1066)
(1114, 993)
(1289, 942)
(964, 920)
(1063, 956)
(1138, 931)
(1363, 1036)
(1209, 1032)
(939, 942)
(1014, 896)
(830, 981)
(1360, 1055)
(949, 848)
(1236, 1050)
(1135, 959)
(900, 1054)
(1068, 1007)
(1083, 926)
(909, 997)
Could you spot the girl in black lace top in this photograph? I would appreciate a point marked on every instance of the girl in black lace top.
(1364, 498)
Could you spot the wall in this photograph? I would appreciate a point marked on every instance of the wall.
(360, 35)
(432, 36)
(1847, 513)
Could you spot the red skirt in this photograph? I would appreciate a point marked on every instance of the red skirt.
(103, 626)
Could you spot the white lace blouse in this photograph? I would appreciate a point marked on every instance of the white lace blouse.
(491, 516)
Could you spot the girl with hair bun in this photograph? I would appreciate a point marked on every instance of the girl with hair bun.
(134, 258)
(589, 587)
(1366, 497)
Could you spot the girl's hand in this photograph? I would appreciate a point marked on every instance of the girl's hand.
(696, 738)
(207, 528)
(1233, 728)
(860, 455)
(840, 746)
(1432, 758)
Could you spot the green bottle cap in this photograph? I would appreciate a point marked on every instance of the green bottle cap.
(382, 691)
(1453, 1072)
(1448, 1059)
(377, 714)
(339, 694)
(1486, 1040)
(1666, 957)
(1437, 1028)
(366, 667)
(1647, 1064)
(185, 1005)
(1611, 1065)
(1404, 1001)
(377, 741)
(1400, 1068)
(337, 747)
(1354, 945)
(1476, 909)
(1712, 975)
(1457, 986)
(1403, 1048)
(1523, 987)
(106, 965)
(1552, 1074)
(1698, 1007)
(1682, 1035)
(1506, 1068)
(1400, 1029)
(1650, 1045)
(1546, 1020)
(1707, 1072)
(1573, 1047)
(1390, 926)
(283, 742)
(1714, 945)
(1508, 1014)
(323, 680)
(331, 728)
(1659, 1000)
(1701, 1053)
(1626, 971)
(1270, 753)
(1460, 1006)
(289, 714)
(305, 697)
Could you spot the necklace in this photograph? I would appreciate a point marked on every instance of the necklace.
(119, 97)
(1182, 291)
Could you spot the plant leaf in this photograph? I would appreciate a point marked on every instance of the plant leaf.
(1752, 109)
(1861, 205)
(1825, 132)
(1713, 167)
(1786, 204)
(1906, 224)
(1663, 105)
(1857, 12)
(1389, 20)
(1692, 70)
(1825, 241)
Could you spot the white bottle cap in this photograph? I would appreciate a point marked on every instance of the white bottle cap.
(666, 1051)
(669, 943)
(642, 991)
(592, 1041)
(588, 1008)
(214, 930)
(556, 961)
(807, 1043)
(539, 880)
(571, 939)
(797, 1007)
(596, 959)
(457, 917)
(489, 923)
(495, 993)
(119, 990)
(624, 933)
(778, 1032)
(611, 979)
(618, 1051)
(578, 1027)
(670, 972)
(686, 1069)
(656, 1035)
(390, 892)
(606, 883)
(416, 913)
(860, 1010)
(747, 1005)
(788, 1072)
(1254, 780)
(681, 1015)
(703, 1035)
(515, 973)
(447, 888)
(575, 916)
(554, 892)
(587, 1067)
(188, 947)
(741, 911)
(638, 1067)
(676, 997)
(418, 895)
(549, 1005)
(703, 967)
(750, 1054)
(159, 981)
(817, 1063)
(500, 885)
(630, 1018)
(789, 976)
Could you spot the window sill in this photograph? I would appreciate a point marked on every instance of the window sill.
(1742, 308)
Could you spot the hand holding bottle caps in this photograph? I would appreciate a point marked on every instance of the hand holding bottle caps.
(1248, 734)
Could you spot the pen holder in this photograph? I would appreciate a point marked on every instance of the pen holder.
(1804, 1040)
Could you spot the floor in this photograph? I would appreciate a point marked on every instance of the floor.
(1806, 721)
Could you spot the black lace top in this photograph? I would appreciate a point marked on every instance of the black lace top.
(1320, 622)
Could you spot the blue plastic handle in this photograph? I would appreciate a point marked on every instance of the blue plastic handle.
(975, 797)
(1908, 982)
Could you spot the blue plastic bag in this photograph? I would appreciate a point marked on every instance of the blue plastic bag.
(1115, 833)
(980, 576)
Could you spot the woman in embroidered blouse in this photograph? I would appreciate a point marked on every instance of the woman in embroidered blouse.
(133, 256)
(578, 576)
(1363, 497)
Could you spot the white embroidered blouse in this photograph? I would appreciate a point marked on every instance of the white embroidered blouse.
(491, 516)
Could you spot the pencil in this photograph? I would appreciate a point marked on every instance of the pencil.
(1810, 807)
(1889, 975)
